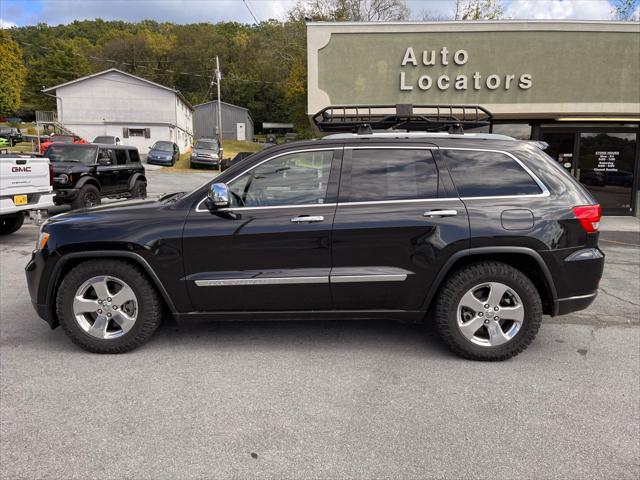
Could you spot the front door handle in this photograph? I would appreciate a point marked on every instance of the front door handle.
(440, 213)
(308, 219)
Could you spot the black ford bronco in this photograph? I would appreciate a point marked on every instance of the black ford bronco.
(481, 234)
(84, 173)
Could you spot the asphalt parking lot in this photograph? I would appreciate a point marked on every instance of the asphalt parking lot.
(321, 399)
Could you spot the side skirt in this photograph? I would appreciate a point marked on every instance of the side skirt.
(406, 316)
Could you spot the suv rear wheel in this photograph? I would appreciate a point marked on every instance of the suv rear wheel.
(139, 189)
(108, 306)
(88, 196)
(488, 311)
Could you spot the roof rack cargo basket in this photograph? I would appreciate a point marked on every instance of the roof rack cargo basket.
(430, 118)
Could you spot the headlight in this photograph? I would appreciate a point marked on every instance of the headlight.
(43, 238)
(62, 178)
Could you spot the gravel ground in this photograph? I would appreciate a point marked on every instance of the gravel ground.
(321, 399)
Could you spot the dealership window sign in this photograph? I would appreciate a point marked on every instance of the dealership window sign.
(455, 81)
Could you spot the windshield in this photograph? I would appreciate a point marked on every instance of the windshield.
(103, 140)
(163, 146)
(206, 145)
(71, 153)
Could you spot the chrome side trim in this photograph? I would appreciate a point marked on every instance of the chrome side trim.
(244, 209)
(543, 187)
(380, 147)
(198, 209)
(400, 277)
(578, 297)
(233, 282)
(411, 200)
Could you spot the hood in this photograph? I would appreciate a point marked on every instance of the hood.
(205, 151)
(70, 167)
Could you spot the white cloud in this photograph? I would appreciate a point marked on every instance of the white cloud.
(6, 24)
(560, 9)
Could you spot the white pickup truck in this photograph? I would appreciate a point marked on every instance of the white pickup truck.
(25, 184)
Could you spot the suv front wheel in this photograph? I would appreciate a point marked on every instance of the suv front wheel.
(488, 311)
(108, 306)
(88, 196)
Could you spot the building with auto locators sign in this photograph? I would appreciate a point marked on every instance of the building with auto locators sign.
(573, 85)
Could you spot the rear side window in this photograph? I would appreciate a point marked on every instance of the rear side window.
(134, 157)
(391, 174)
(121, 157)
(488, 174)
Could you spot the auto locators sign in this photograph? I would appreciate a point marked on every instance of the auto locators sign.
(425, 80)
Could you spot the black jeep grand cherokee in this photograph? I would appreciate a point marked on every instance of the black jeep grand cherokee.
(482, 234)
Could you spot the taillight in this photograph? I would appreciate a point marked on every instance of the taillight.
(589, 216)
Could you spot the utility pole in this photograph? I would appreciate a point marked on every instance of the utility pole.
(218, 77)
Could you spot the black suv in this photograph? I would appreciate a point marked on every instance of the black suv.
(13, 134)
(84, 173)
(480, 233)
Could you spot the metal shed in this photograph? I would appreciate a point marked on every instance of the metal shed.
(236, 121)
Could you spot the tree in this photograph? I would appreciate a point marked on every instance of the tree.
(12, 74)
(626, 10)
(64, 61)
(478, 10)
(351, 10)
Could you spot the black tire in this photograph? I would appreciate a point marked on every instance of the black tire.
(11, 223)
(149, 306)
(462, 281)
(88, 196)
(139, 189)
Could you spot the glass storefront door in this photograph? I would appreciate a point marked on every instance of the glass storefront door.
(606, 166)
(604, 161)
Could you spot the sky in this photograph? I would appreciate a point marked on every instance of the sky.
(53, 12)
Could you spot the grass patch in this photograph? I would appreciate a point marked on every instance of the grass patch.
(231, 149)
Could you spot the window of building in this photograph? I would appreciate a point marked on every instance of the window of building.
(293, 179)
(392, 174)
(137, 132)
(486, 174)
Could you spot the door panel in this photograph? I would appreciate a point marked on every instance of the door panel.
(108, 174)
(395, 227)
(272, 249)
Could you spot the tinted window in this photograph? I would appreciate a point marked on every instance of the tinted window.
(484, 174)
(163, 146)
(294, 179)
(121, 157)
(133, 156)
(392, 174)
(71, 153)
(104, 153)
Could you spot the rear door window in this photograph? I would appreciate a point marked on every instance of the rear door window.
(488, 174)
(134, 157)
(382, 174)
(121, 157)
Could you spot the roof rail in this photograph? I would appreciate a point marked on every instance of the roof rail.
(430, 118)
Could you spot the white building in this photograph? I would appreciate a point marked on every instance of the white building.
(116, 103)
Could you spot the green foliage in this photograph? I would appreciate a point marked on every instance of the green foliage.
(626, 10)
(12, 74)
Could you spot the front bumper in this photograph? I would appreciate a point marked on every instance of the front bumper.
(159, 161)
(213, 162)
(65, 195)
(37, 271)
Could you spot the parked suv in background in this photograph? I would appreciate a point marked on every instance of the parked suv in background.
(480, 233)
(12, 134)
(205, 152)
(86, 173)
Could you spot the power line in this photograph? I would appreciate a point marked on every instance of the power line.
(246, 4)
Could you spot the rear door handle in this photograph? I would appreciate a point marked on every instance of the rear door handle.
(440, 213)
(308, 219)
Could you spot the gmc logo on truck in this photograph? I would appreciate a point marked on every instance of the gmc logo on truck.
(21, 169)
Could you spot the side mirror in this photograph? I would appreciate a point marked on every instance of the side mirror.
(218, 197)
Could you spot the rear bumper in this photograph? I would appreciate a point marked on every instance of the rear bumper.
(37, 201)
(562, 306)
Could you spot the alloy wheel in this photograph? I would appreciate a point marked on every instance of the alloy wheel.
(490, 314)
(105, 307)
